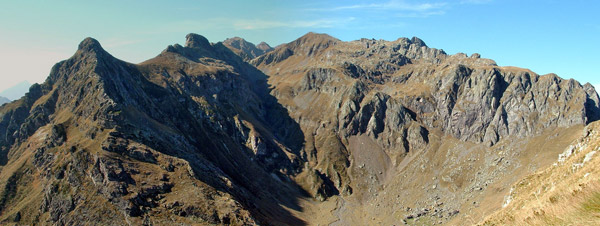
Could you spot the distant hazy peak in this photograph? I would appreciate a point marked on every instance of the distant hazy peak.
(4, 100)
(235, 39)
(238, 43)
(246, 50)
(16, 91)
(264, 46)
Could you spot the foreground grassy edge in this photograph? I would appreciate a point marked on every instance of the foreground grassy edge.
(567, 193)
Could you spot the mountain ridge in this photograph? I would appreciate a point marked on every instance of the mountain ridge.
(426, 94)
(245, 49)
(204, 133)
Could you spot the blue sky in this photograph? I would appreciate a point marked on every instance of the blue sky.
(546, 36)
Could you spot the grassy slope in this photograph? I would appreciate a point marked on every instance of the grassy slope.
(567, 193)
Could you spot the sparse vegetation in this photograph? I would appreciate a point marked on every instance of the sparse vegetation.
(567, 193)
(316, 131)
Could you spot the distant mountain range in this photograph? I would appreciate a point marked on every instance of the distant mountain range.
(17, 91)
(317, 131)
(245, 49)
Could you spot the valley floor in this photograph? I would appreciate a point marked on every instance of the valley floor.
(451, 183)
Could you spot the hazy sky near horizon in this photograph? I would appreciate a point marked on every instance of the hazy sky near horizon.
(545, 36)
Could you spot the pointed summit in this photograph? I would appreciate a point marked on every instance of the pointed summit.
(417, 41)
(264, 47)
(90, 44)
(196, 41)
(91, 47)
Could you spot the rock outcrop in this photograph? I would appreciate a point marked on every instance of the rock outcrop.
(230, 133)
(396, 92)
(137, 140)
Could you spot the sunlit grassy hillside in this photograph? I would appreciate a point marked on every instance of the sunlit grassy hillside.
(567, 193)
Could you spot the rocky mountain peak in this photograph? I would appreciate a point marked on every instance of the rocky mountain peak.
(246, 50)
(309, 44)
(237, 42)
(197, 135)
(89, 55)
(91, 45)
(314, 38)
(196, 41)
(417, 41)
(264, 46)
(196, 47)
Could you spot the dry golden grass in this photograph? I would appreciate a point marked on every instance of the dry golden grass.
(567, 193)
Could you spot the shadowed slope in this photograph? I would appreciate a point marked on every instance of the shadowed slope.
(326, 132)
(191, 140)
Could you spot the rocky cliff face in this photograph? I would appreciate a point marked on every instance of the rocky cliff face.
(372, 106)
(382, 88)
(198, 135)
(191, 135)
